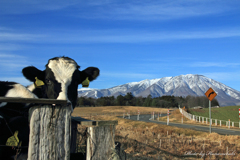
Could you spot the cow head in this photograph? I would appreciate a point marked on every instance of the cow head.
(60, 79)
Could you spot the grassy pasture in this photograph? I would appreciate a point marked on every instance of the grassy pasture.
(222, 113)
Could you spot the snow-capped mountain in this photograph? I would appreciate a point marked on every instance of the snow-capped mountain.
(183, 85)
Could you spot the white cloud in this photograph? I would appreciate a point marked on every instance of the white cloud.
(130, 10)
(33, 6)
(10, 47)
(156, 10)
(5, 55)
(214, 64)
(110, 36)
(223, 76)
(7, 36)
(135, 36)
(127, 75)
(12, 62)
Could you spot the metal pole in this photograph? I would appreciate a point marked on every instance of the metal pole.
(182, 118)
(210, 129)
(168, 117)
(138, 115)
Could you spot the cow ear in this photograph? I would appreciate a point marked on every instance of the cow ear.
(91, 72)
(31, 73)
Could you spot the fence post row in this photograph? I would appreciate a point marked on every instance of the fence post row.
(194, 117)
(53, 136)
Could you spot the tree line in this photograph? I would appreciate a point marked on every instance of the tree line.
(149, 101)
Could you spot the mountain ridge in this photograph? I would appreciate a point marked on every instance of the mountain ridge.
(182, 85)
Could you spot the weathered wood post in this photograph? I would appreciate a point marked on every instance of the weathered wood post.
(50, 132)
(101, 139)
(100, 143)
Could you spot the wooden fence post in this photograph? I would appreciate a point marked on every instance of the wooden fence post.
(100, 143)
(50, 132)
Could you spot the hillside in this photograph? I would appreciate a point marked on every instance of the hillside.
(222, 113)
(183, 85)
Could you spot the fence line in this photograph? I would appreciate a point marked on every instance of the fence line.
(198, 118)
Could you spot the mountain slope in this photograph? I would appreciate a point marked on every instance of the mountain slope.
(183, 85)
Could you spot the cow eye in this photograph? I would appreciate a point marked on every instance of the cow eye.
(48, 81)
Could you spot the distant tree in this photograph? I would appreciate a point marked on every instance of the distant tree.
(80, 101)
(134, 101)
(154, 102)
(139, 101)
(214, 102)
(128, 98)
(163, 102)
(148, 101)
(120, 100)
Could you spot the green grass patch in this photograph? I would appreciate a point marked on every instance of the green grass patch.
(222, 113)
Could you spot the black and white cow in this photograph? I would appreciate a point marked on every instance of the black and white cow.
(59, 80)
(13, 117)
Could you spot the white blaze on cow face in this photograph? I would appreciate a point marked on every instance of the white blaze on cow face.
(63, 70)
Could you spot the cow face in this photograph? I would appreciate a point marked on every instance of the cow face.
(60, 79)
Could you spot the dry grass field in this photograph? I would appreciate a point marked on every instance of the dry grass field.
(119, 110)
(142, 140)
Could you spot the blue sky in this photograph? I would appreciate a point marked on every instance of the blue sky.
(128, 41)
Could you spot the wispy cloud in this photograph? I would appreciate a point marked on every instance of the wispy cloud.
(138, 36)
(128, 75)
(223, 76)
(20, 80)
(12, 62)
(117, 36)
(214, 64)
(115, 9)
(10, 47)
(166, 9)
(33, 6)
(153, 10)
(8, 36)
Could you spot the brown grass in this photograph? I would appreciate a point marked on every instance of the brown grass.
(141, 140)
(116, 109)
